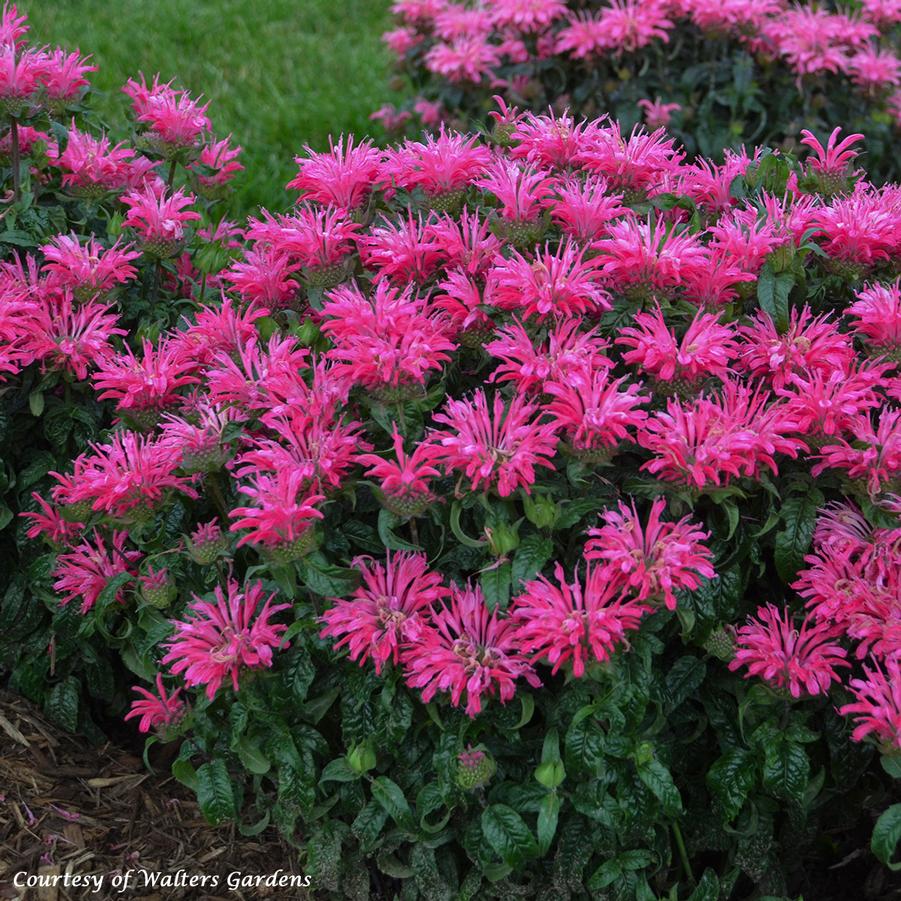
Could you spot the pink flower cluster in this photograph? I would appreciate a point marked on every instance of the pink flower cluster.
(481, 46)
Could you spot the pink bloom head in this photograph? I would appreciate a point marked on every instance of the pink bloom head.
(876, 316)
(225, 636)
(835, 158)
(64, 76)
(343, 176)
(174, 120)
(654, 560)
(468, 651)
(657, 114)
(800, 661)
(159, 217)
(405, 481)
(387, 610)
(572, 622)
(88, 269)
(160, 711)
(216, 165)
(497, 447)
(595, 411)
(49, 523)
(877, 704)
(84, 571)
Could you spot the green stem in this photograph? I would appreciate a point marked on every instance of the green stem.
(15, 158)
(683, 853)
(171, 177)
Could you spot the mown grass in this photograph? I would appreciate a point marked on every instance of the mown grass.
(279, 73)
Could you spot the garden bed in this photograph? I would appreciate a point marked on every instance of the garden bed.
(66, 806)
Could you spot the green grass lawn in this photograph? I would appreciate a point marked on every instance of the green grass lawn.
(279, 73)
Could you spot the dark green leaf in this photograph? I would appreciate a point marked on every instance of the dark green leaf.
(507, 833)
(215, 795)
(886, 835)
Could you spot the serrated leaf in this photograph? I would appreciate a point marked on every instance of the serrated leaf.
(660, 781)
(254, 760)
(496, 583)
(328, 580)
(530, 557)
(683, 679)
(368, 824)
(786, 769)
(730, 779)
(61, 703)
(886, 835)
(215, 795)
(507, 833)
(390, 795)
(548, 816)
(386, 523)
(799, 514)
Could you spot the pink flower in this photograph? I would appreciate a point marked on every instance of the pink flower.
(531, 367)
(465, 241)
(803, 661)
(88, 269)
(217, 164)
(68, 336)
(468, 651)
(861, 228)
(632, 24)
(281, 514)
(21, 76)
(636, 164)
(156, 711)
(657, 114)
(557, 283)
(49, 523)
(317, 237)
(174, 119)
(146, 383)
(877, 315)
(654, 560)
(13, 27)
(391, 118)
(404, 250)
(705, 349)
(499, 447)
(572, 622)
(549, 140)
(526, 15)
(877, 704)
(809, 344)
(440, 165)
(649, 255)
(468, 58)
(92, 164)
(405, 480)
(159, 217)
(718, 437)
(128, 472)
(64, 75)
(583, 208)
(401, 40)
(875, 454)
(387, 610)
(875, 69)
(344, 176)
(593, 410)
(387, 340)
(266, 276)
(523, 193)
(836, 158)
(225, 636)
(85, 570)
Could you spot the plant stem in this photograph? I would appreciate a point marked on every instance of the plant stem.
(683, 853)
(171, 177)
(14, 157)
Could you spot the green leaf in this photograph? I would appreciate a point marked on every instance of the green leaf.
(886, 835)
(390, 795)
(507, 833)
(387, 522)
(799, 514)
(215, 795)
(185, 773)
(683, 680)
(708, 887)
(328, 580)
(548, 816)
(660, 781)
(731, 778)
(531, 555)
(495, 584)
(368, 824)
(459, 534)
(61, 704)
(338, 770)
(786, 769)
(252, 757)
(772, 295)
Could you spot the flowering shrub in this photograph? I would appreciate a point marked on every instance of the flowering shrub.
(717, 74)
(508, 518)
(105, 245)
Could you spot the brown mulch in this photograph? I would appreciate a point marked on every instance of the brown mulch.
(67, 807)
